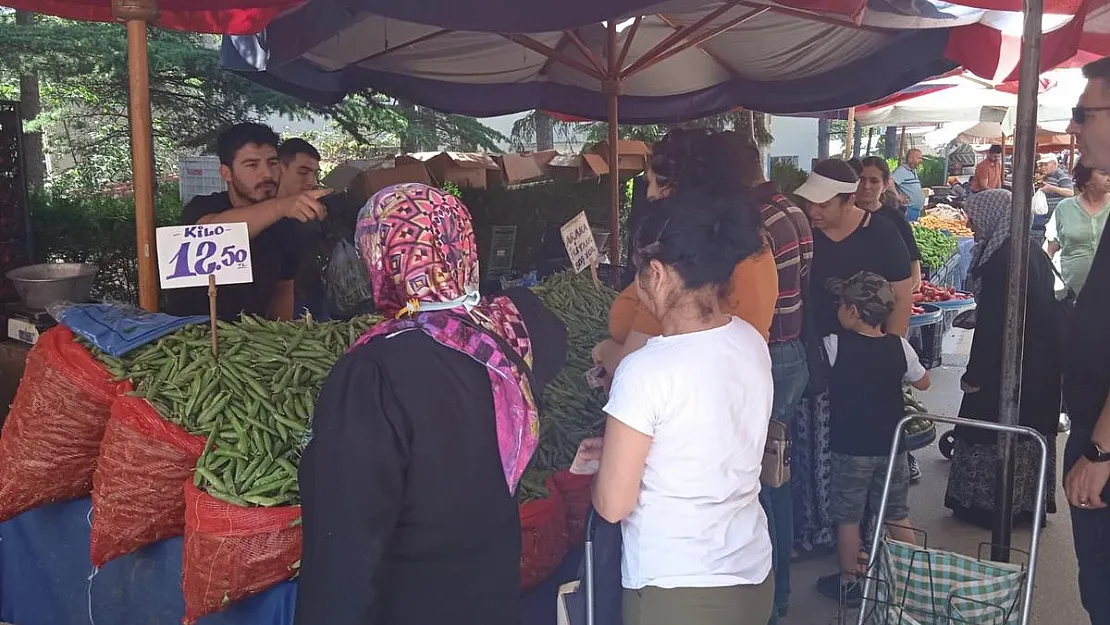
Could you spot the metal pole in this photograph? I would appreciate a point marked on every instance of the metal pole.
(1021, 221)
(137, 13)
(870, 137)
(850, 133)
(612, 89)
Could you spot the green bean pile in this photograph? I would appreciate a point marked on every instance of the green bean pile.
(570, 410)
(254, 402)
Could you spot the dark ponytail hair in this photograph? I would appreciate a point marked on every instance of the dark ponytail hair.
(837, 169)
(682, 160)
(702, 237)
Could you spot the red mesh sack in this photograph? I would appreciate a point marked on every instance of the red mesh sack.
(543, 537)
(577, 494)
(137, 497)
(51, 439)
(232, 552)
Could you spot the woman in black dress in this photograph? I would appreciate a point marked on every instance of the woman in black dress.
(846, 240)
(971, 480)
(422, 431)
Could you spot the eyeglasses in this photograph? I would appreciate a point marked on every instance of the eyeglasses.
(1079, 113)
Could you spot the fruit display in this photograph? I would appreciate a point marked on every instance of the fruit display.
(954, 225)
(253, 402)
(931, 294)
(570, 410)
(919, 432)
(936, 246)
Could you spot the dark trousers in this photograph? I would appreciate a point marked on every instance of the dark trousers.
(1091, 532)
(791, 375)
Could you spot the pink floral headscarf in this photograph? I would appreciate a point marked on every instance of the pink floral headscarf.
(418, 244)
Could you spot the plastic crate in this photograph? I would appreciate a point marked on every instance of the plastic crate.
(926, 335)
(199, 175)
(503, 241)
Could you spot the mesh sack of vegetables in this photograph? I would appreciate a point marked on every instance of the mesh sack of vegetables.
(543, 537)
(51, 439)
(232, 552)
(137, 497)
(577, 494)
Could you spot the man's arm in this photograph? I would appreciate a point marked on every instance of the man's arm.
(1087, 480)
(303, 207)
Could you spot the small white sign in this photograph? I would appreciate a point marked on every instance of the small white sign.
(579, 241)
(187, 255)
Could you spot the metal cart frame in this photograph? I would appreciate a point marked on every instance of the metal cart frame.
(870, 590)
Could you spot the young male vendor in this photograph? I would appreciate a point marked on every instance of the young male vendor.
(249, 164)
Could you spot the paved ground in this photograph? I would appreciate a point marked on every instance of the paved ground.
(1056, 598)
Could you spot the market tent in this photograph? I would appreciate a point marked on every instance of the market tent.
(674, 66)
(663, 62)
(967, 98)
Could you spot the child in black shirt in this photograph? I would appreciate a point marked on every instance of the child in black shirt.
(865, 393)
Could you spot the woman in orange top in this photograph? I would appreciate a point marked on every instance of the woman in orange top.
(687, 160)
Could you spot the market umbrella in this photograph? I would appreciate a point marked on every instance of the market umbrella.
(211, 16)
(663, 62)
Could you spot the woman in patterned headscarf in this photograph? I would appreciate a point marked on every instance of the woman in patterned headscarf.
(971, 480)
(422, 431)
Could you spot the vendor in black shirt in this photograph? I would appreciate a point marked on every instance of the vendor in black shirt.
(848, 240)
(250, 166)
(874, 178)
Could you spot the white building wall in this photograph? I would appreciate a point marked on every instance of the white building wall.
(795, 137)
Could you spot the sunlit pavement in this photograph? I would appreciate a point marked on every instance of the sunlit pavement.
(1056, 597)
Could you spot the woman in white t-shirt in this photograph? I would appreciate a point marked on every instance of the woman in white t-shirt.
(688, 416)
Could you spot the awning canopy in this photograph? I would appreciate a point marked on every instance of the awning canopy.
(233, 17)
(679, 60)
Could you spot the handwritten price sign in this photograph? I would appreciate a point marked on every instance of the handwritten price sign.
(188, 255)
(579, 241)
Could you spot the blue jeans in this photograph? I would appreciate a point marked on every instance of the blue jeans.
(1091, 533)
(791, 375)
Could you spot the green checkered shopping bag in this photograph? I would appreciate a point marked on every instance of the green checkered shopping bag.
(918, 586)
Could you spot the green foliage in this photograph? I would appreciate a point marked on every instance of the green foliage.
(82, 67)
(98, 229)
(451, 188)
(524, 130)
(789, 178)
(932, 172)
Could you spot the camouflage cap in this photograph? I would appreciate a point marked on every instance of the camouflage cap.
(868, 292)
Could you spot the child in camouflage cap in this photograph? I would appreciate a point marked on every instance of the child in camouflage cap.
(868, 368)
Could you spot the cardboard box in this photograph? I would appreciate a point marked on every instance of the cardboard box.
(573, 168)
(518, 168)
(371, 181)
(466, 169)
(632, 156)
(340, 178)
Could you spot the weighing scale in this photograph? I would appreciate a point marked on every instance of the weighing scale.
(24, 324)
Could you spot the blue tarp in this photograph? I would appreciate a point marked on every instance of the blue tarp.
(45, 569)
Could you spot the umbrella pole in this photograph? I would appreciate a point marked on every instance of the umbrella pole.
(137, 13)
(1013, 337)
(612, 89)
(850, 135)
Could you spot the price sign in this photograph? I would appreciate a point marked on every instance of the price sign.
(579, 241)
(188, 255)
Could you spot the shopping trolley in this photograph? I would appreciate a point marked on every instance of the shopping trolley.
(595, 598)
(918, 585)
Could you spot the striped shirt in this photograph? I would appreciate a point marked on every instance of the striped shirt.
(792, 242)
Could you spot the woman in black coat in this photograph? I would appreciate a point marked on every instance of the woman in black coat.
(971, 481)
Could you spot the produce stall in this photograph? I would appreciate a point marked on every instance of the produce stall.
(190, 458)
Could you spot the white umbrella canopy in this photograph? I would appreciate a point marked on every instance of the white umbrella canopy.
(966, 98)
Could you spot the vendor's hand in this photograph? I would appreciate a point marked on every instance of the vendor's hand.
(305, 206)
(588, 459)
(1085, 483)
(967, 388)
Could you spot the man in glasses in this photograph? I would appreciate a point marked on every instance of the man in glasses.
(988, 173)
(1087, 372)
